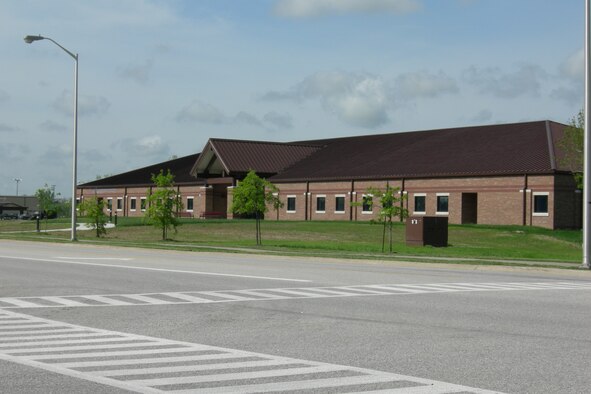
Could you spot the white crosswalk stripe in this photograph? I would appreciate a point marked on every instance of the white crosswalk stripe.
(205, 297)
(180, 367)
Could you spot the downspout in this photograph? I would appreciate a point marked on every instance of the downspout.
(524, 219)
(401, 200)
(306, 200)
(351, 200)
(125, 197)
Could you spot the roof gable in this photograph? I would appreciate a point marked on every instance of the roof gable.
(236, 157)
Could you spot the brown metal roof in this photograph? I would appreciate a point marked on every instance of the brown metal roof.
(180, 168)
(520, 148)
(239, 156)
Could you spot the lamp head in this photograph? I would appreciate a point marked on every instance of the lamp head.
(30, 39)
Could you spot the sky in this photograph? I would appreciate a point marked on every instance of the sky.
(158, 78)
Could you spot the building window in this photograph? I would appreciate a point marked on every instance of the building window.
(320, 204)
(109, 204)
(132, 204)
(119, 203)
(143, 203)
(540, 204)
(420, 204)
(442, 204)
(367, 204)
(339, 203)
(190, 204)
(291, 204)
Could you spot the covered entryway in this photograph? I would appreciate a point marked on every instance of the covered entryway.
(469, 208)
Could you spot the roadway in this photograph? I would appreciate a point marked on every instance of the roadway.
(80, 318)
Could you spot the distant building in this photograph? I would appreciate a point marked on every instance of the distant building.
(508, 174)
(18, 204)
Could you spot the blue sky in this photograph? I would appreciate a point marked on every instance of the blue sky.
(158, 78)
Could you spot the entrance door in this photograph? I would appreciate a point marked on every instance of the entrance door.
(469, 208)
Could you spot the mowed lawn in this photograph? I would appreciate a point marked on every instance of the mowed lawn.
(339, 239)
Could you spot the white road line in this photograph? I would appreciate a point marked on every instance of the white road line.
(227, 370)
(147, 361)
(19, 303)
(107, 300)
(4, 346)
(222, 377)
(64, 301)
(187, 297)
(195, 368)
(95, 258)
(149, 300)
(203, 297)
(154, 269)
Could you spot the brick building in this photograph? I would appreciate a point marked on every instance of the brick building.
(498, 174)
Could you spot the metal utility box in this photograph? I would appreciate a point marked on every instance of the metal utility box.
(426, 230)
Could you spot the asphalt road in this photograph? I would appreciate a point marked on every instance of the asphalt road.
(78, 318)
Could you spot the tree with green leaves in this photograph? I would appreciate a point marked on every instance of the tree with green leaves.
(390, 207)
(48, 202)
(572, 144)
(94, 209)
(163, 203)
(252, 196)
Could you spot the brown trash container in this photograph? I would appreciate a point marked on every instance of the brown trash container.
(426, 230)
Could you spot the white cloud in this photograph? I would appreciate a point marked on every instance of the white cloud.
(421, 84)
(572, 96)
(357, 99)
(496, 82)
(139, 73)
(3, 96)
(280, 121)
(202, 112)
(6, 128)
(574, 66)
(50, 125)
(152, 146)
(483, 116)
(199, 111)
(312, 8)
(87, 105)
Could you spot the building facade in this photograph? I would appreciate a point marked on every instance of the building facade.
(500, 174)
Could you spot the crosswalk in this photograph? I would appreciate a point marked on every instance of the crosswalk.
(205, 297)
(156, 365)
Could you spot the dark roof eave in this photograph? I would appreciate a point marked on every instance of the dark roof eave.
(417, 176)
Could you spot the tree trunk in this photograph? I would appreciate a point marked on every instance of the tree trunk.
(384, 237)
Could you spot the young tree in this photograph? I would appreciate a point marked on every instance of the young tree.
(94, 209)
(390, 207)
(163, 203)
(252, 196)
(572, 143)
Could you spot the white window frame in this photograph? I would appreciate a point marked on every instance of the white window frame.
(533, 199)
(110, 204)
(132, 209)
(364, 212)
(117, 206)
(437, 212)
(145, 204)
(190, 198)
(321, 196)
(344, 205)
(415, 212)
(287, 203)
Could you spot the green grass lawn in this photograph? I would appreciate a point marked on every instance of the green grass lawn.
(330, 238)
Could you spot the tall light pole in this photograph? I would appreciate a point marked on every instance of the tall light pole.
(17, 180)
(587, 145)
(28, 40)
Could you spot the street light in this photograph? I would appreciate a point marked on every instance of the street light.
(17, 180)
(29, 40)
